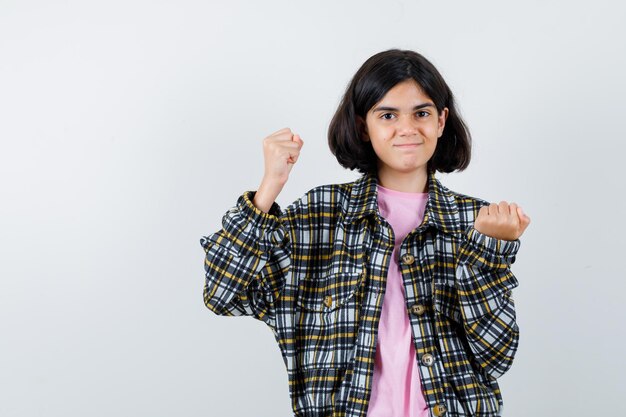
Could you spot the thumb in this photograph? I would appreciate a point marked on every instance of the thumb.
(297, 138)
(522, 214)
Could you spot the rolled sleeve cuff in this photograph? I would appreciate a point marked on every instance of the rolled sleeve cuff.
(258, 217)
(252, 230)
(490, 251)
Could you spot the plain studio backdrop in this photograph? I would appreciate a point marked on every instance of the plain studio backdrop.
(128, 128)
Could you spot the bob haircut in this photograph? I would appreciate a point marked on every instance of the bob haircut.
(377, 75)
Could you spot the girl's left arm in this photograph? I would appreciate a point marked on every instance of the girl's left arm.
(484, 284)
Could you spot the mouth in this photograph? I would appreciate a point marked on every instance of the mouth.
(409, 145)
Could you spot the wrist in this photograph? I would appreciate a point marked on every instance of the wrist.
(266, 194)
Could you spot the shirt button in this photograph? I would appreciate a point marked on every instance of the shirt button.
(428, 359)
(418, 309)
(328, 301)
(407, 259)
(439, 409)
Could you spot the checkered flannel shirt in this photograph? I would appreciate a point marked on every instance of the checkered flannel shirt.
(315, 273)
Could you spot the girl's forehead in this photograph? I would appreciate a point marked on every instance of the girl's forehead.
(406, 87)
(403, 94)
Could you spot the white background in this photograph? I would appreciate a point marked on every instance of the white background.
(129, 127)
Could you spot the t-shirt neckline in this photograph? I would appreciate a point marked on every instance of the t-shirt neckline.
(403, 194)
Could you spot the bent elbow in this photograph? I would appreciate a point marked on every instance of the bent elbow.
(503, 361)
(213, 303)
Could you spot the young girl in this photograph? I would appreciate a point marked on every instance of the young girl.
(389, 296)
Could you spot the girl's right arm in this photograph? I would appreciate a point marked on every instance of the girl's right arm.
(247, 261)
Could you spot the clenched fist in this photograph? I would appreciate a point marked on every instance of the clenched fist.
(502, 221)
(281, 150)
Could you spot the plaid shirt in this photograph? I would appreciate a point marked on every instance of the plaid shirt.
(315, 273)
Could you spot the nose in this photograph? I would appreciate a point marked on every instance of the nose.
(406, 125)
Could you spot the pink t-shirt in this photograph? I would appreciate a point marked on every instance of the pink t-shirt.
(397, 388)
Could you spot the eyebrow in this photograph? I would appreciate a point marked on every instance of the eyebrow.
(386, 108)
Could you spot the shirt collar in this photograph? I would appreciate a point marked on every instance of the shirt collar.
(441, 210)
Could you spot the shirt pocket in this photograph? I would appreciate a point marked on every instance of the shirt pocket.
(330, 292)
(327, 317)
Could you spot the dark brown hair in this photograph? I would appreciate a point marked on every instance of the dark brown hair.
(380, 73)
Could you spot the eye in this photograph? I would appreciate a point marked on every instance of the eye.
(386, 114)
(423, 112)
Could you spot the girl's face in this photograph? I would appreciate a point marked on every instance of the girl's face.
(404, 128)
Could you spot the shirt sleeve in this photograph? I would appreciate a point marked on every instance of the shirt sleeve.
(248, 259)
(484, 282)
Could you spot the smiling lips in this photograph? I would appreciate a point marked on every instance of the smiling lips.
(409, 145)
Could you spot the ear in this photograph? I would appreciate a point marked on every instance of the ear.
(362, 129)
(443, 116)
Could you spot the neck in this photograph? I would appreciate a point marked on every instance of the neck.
(409, 182)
